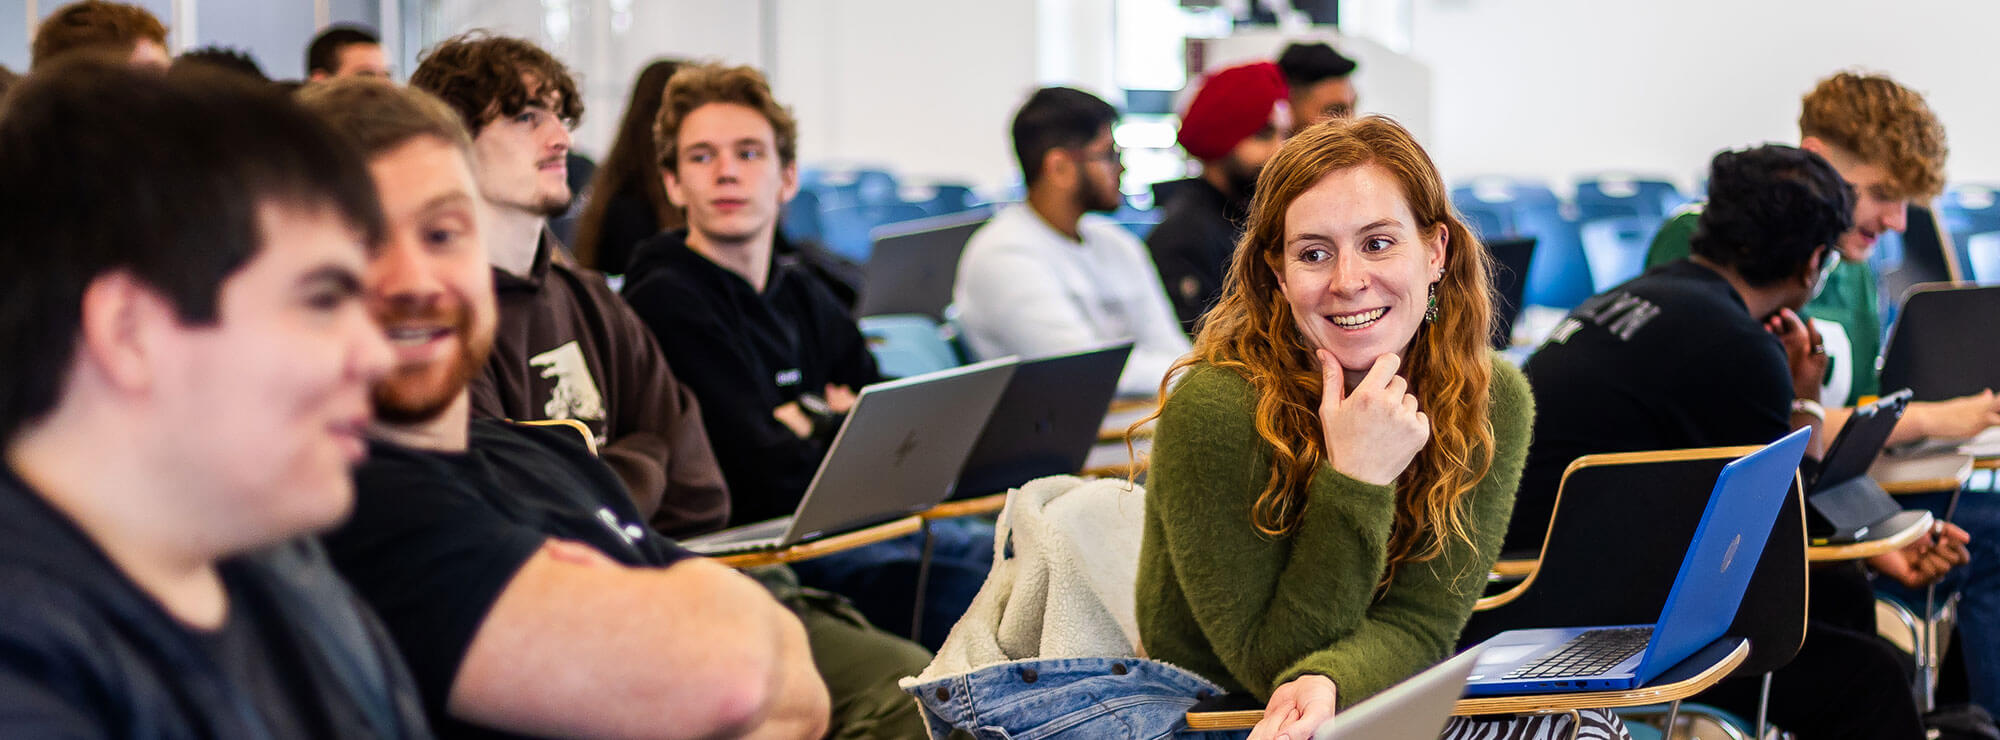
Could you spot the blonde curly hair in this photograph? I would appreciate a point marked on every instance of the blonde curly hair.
(1884, 124)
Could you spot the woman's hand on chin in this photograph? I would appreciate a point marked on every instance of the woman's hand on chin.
(1296, 709)
(1374, 432)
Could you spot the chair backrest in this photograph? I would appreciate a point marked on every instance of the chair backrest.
(1621, 528)
(906, 345)
(1938, 347)
(1500, 207)
(1615, 248)
(800, 218)
(848, 228)
(1612, 196)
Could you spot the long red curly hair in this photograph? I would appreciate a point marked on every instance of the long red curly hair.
(1250, 330)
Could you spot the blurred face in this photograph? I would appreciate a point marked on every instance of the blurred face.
(1099, 168)
(1357, 267)
(1326, 99)
(361, 60)
(1248, 158)
(278, 387)
(1878, 207)
(428, 284)
(521, 159)
(727, 175)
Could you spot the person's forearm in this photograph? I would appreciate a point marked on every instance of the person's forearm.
(800, 706)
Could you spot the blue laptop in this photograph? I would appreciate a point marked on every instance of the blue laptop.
(1741, 511)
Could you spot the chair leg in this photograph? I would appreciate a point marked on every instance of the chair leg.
(923, 583)
(1764, 705)
(1673, 712)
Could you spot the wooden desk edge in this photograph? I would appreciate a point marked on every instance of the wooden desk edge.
(968, 507)
(1871, 548)
(1927, 485)
(827, 546)
(1592, 699)
(1535, 702)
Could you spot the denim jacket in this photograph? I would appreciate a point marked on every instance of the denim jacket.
(1066, 698)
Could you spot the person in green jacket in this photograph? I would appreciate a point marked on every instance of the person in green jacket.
(1883, 139)
(1335, 462)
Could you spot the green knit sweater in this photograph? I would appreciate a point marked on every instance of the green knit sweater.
(1251, 612)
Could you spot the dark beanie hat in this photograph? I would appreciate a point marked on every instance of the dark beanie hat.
(1232, 105)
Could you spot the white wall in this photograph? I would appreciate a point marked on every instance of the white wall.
(1553, 88)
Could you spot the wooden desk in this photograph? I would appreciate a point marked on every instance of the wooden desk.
(825, 545)
(1922, 474)
(1692, 676)
(966, 507)
(1898, 531)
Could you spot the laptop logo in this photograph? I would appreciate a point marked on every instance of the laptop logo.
(903, 450)
(1729, 556)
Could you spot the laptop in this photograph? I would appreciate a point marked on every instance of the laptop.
(1741, 510)
(912, 267)
(897, 454)
(1416, 709)
(1046, 421)
(1843, 503)
(1938, 347)
(1510, 272)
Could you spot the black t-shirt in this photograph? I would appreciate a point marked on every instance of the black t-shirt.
(264, 661)
(435, 537)
(745, 353)
(1671, 359)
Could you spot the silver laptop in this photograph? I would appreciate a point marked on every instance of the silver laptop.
(898, 453)
(1415, 709)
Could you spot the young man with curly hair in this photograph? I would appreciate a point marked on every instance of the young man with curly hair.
(1884, 140)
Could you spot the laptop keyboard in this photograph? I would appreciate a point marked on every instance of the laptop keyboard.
(1588, 654)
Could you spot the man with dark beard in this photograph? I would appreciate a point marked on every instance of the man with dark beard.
(1234, 125)
(510, 565)
(567, 347)
(1053, 275)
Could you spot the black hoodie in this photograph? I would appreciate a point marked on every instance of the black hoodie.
(745, 354)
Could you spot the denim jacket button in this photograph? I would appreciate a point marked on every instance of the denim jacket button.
(1028, 675)
(943, 694)
(1119, 669)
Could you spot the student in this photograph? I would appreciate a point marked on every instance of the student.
(186, 392)
(628, 204)
(1334, 468)
(1235, 123)
(1320, 80)
(345, 51)
(1709, 351)
(773, 356)
(567, 347)
(121, 30)
(563, 336)
(1884, 140)
(510, 564)
(1051, 276)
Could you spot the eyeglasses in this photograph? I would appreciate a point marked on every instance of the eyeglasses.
(1112, 156)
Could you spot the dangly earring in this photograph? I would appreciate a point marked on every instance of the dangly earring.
(1431, 309)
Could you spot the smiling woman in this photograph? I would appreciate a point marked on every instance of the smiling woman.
(1335, 463)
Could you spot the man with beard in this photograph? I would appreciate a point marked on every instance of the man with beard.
(1235, 123)
(1052, 275)
(511, 567)
(567, 347)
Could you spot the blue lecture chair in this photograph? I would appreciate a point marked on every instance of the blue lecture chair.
(1969, 209)
(1560, 275)
(908, 344)
(1615, 248)
(847, 228)
(1614, 195)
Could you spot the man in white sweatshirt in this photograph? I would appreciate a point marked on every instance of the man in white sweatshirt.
(1052, 275)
